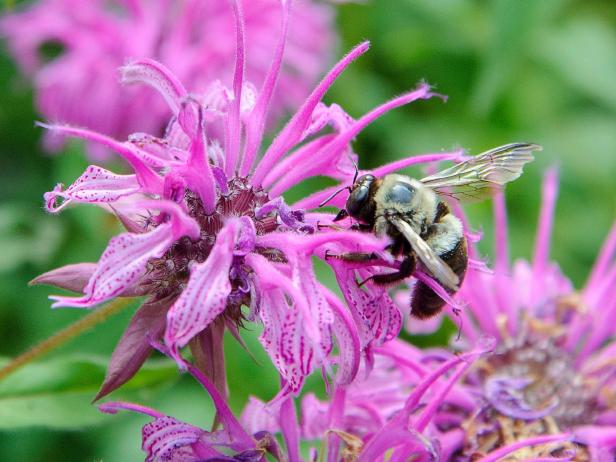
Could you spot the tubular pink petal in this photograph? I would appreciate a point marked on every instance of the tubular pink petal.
(112, 407)
(484, 346)
(437, 400)
(397, 436)
(341, 141)
(205, 295)
(197, 171)
(156, 75)
(289, 427)
(505, 450)
(294, 129)
(335, 418)
(605, 258)
(240, 439)
(233, 126)
(256, 121)
(95, 185)
(181, 223)
(501, 250)
(456, 156)
(546, 221)
(150, 181)
(299, 159)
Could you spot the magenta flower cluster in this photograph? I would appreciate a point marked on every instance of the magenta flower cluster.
(212, 245)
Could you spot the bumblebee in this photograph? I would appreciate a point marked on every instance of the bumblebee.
(420, 224)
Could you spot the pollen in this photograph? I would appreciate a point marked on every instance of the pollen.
(531, 388)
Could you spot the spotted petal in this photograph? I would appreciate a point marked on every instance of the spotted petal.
(95, 185)
(168, 439)
(205, 296)
(124, 260)
(284, 340)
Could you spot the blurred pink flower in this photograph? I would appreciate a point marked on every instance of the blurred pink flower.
(209, 233)
(553, 369)
(194, 39)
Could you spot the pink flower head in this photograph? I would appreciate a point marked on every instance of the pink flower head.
(553, 369)
(225, 247)
(193, 38)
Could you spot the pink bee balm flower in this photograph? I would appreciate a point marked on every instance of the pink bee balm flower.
(553, 369)
(94, 38)
(386, 415)
(209, 233)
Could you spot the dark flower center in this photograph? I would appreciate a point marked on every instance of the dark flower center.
(168, 275)
(531, 388)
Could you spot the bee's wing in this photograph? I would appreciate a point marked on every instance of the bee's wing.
(482, 175)
(439, 269)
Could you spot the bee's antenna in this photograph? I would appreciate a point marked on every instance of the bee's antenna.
(356, 170)
(334, 194)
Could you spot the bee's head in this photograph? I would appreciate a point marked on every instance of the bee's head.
(359, 204)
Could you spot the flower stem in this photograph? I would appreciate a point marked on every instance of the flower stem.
(65, 335)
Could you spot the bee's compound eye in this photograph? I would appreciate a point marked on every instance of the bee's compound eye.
(400, 192)
(356, 200)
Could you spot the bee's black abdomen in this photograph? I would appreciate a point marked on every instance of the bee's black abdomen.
(425, 303)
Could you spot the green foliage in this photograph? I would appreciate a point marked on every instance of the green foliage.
(58, 393)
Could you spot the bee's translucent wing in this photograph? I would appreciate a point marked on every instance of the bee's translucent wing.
(439, 269)
(482, 175)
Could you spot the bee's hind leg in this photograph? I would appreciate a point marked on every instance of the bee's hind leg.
(407, 266)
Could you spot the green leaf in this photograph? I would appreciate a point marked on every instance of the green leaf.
(58, 393)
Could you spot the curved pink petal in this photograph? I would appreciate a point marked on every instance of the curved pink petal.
(95, 185)
(155, 74)
(121, 266)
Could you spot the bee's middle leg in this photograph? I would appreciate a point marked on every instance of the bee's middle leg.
(407, 266)
(354, 257)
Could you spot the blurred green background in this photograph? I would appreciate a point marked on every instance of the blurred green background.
(517, 70)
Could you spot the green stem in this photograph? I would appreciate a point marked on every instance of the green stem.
(65, 335)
